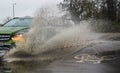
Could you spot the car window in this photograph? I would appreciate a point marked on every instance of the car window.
(19, 22)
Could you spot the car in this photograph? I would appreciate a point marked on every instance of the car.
(12, 32)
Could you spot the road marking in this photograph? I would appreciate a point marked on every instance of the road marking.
(84, 58)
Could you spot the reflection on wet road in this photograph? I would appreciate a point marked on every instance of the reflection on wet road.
(22, 67)
(111, 66)
(108, 63)
(4, 69)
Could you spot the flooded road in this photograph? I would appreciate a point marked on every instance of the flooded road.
(110, 63)
(22, 67)
(112, 66)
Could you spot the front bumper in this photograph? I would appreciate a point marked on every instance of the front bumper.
(4, 46)
(2, 53)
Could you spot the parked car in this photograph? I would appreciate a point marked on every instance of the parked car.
(13, 31)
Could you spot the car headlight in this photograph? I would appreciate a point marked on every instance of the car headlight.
(19, 36)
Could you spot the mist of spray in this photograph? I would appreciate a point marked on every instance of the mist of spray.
(50, 31)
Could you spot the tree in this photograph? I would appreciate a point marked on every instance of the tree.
(7, 19)
(83, 9)
(111, 9)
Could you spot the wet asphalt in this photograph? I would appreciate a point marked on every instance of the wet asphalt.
(69, 64)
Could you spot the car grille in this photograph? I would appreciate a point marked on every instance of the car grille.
(4, 37)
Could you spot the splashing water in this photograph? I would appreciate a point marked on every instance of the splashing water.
(51, 32)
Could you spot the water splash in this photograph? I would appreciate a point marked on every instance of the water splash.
(52, 32)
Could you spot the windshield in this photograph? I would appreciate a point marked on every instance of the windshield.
(19, 22)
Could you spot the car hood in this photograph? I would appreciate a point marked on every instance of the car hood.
(10, 30)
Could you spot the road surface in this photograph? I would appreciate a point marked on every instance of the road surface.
(110, 63)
